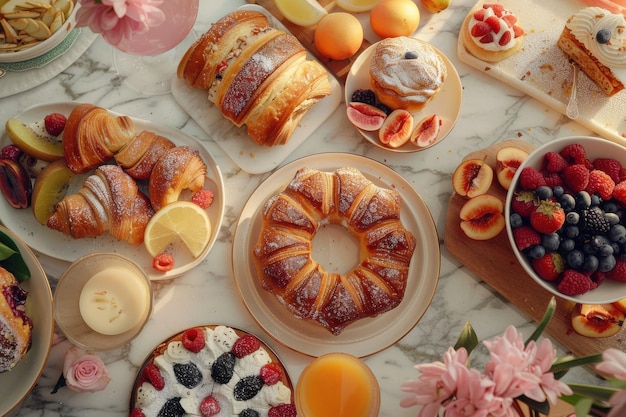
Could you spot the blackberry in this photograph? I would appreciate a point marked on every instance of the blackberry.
(222, 368)
(187, 374)
(384, 108)
(247, 387)
(364, 96)
(593, 222)
(172, 408)
(248, 412)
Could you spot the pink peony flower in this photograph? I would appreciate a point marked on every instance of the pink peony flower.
(118, 20)
(613, 363)
(84, 372)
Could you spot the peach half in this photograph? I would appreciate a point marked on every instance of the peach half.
(482, 218)
(472, 178)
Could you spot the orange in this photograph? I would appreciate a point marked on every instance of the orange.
(391, 18)
(338, 35)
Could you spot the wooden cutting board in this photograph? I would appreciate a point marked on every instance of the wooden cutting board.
(305, 35)
(495, 263)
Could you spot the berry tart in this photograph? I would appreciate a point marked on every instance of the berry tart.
(212, 371)
(492, 33)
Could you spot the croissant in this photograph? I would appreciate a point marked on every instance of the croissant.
(140, 155)
(286, 268)
(92, 136)
(108, 201)
(255, 74)
(180, 168)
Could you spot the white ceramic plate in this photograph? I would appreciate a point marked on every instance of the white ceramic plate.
(234, 141)
(446, 104)
(543, 71)
(16, 384)
(366, 336)
(58, 246)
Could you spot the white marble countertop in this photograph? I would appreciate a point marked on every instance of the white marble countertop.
(491, 112)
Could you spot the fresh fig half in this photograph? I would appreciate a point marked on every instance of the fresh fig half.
(426, 131)
(365, 116)
(15, 183)
(397, 128)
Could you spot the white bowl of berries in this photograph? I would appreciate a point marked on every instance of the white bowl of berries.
(566, 218)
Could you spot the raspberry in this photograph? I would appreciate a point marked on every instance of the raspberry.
(576, 177)
(619, 192)
(600, 182)
(209, 407)
(203, 198)
(245, 345)
(554, 162)
(530, 179)
(11, 152)
(612, 167)
(618, 273)
(137, 412)
(576, 154)
(163, 262)
(282, 410)
(193, 340)
(55, 123)
(525, 237)
(574, 283)
(552, 179)
(364, 96)
(271, 373)
(153, 375)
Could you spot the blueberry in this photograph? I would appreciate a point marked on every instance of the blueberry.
(543, 192)
(410, 55)
(603, 36)
(583, 200)
(516, 220)
(598, 241)
(575, 259)
(536, 251)
(612, 218)
(572, 217)
(605, 250)
(572, 231)
(567, 202)
(551, 242)
(558, 191)
(610, 207)
(617, 233)
(591, 263)
(596, 200)
(607, 263)
(567, 245)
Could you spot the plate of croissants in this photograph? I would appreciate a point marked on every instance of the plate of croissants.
(106, 174)
(341, 255)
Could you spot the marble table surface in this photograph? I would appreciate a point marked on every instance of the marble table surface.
(491, 112)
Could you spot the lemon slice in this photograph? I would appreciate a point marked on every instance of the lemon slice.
(301, 12)
(357, 5)
(181, 220)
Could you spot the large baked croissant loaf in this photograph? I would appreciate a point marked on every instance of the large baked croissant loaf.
(110, 200)
(255, 74)
(15, 326)
(283, 258)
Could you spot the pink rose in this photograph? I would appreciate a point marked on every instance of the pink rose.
(84, 372)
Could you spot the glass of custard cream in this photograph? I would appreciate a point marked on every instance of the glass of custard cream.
(338, 385)
(102, 301)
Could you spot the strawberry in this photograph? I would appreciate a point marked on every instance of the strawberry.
(494, 23)
(518, 31)
(209, 407)
(530, 179)
(203, 198)
(153, 375)
(282, 410)
(498, 9)
(548, 217)
(600, 182)
(488, 38)
(480, 29)
(576, 177)
(137, 412)
(618, 273)
(574, 283)
(271, 373)
(163, 262)
(525, 237)
(619, 192)
(510, 19)
(576, 154)
(611, 166)
(505, 38)
(549, 266)
(193, 340)
(54, 123)
(245, 345)
(479, 15)
(554, 162)
(523, 203)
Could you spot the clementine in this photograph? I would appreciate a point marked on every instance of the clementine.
(338, 35)
(392, 18)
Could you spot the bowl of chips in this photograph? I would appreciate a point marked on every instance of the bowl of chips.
(31, 28)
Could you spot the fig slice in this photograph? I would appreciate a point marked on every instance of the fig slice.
(15, 183)
(426, 131)
(365, 116)
(397, 128)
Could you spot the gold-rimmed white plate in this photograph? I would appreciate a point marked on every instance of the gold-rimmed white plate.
(366, 336)
(63, 248)
(446, 104)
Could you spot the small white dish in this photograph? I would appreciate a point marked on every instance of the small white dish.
(17, 383)
(446, 104)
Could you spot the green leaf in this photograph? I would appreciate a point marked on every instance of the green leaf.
(565, 364)
(14, 262)
(595, 393)
(545, 320)
(467, 339)
(543, 407)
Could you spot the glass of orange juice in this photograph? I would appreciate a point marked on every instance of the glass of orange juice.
(338, 385)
